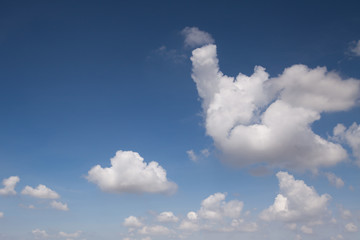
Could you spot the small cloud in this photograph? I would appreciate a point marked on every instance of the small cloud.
(39, 234)
(351, 227)
(59, 206)
(171, 54)
(70, 235)
(355, 48)
(1, 214)
(306, 229)
(334, 180)
(167, 217)
(132, 221)
(155, 230)
(191, 154)
(40, 191)
(9, 185)
(194, 37)
(205, 152)
(129, 173)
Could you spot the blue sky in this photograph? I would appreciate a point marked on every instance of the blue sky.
(129, 120)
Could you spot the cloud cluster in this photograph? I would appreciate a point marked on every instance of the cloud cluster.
(9, 185)
(129, 173)
(194, 37)
(296, 202)
(258, 119)
(59, 206)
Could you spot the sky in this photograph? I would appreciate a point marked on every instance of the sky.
(151, 120)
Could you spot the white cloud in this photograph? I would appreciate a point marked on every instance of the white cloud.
(59, 206)
(214, 207)
(334, 180)
(70, 235)
(132, 221)
(194, 37)
(167, 217)
(351, 227)
(192, 216)
(191, 154)
(350, 136)
(296, 201)
(189, 226)
(9, 185)
(129, 173)
(41, 191)
(38, 234)
(155, 230)
(355, 49)
(345, 213)
(1, 214)
(306, 229)
(256, 119)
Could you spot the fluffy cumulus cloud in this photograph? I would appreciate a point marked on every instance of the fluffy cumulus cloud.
(9, 185)
(355, 49)
(194, 37)
(167, 217)
(334, 180)
(41, 191)
(129, 173)
(350, 136)
(258, 119)
(214, 207)
(296, 202)
(59, 206)
(132, 221)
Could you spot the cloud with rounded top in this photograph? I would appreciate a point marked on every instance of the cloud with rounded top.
(9, 185)
(194, 37)
(130, 174)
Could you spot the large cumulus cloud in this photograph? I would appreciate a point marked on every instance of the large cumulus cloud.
(258, 119)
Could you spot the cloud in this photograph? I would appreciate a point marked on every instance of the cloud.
(191, 154)
(41, 191)
(167, 217)
(351, 227)
(306, 229)
(9, 185)
(296, 202)
(194, 37)
(171, 54)
(214, 207)
(38, 234)
(350, 136)
(155, 230)
(70, 235)
(132, 221)
(355, 49)
(130, 174)
(1, 214)
(334, 180)
(59, 206)
(258, 119)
